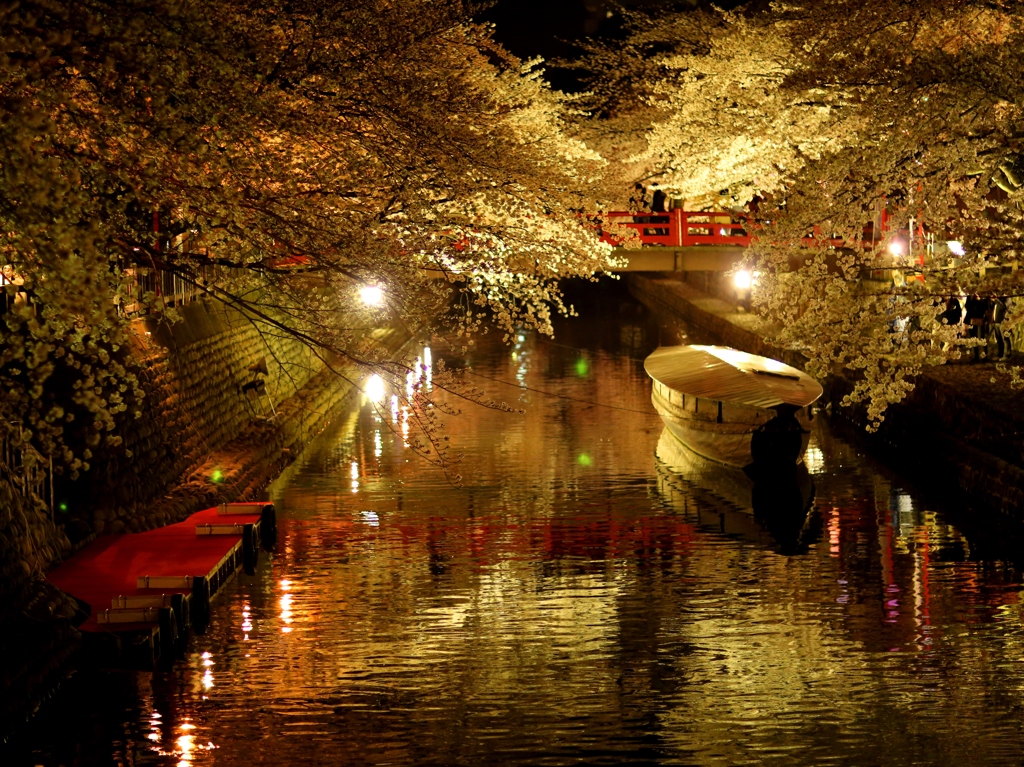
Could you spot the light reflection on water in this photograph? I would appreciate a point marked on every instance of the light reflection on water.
(622, 609)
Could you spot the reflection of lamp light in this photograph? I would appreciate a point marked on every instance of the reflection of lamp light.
(742, 280)
(956, 248)
(371, 295)
(814, 459)
(370, 517)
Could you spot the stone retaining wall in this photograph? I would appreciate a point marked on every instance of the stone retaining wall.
(718, 318)
(193, 373)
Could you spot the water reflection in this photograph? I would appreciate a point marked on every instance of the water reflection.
(564, 611)
(776, 501)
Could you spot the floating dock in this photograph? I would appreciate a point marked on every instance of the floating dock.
(148, 590)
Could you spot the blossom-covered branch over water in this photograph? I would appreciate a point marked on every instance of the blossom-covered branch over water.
(278, 158)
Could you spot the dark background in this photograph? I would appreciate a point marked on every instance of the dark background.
(548, 28)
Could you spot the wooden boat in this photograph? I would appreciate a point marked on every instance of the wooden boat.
(733, 407)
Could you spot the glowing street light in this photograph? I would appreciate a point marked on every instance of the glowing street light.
(955, 247)
(374, 389)
(896, 248)
(742, 280)
(371, 295)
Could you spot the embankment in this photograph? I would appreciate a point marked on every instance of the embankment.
(226, 408)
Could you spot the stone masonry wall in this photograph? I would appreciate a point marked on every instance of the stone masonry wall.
(38, 635)
(29, 541)
(193, 374)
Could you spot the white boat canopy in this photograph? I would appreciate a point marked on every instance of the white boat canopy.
(729, 375)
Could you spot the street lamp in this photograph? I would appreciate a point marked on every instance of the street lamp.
(374, 389)
(371, 295)
(743, 282)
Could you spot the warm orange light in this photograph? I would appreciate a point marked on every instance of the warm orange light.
(374, 389)
(371, 295)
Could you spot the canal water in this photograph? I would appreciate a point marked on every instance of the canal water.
(590, 594)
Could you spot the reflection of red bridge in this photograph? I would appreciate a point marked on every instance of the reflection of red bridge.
(485, 542)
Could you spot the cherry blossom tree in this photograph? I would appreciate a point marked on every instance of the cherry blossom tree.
(289, 153)
(825, 114)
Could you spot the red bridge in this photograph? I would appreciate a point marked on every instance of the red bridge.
(679, 240)
(681, 229)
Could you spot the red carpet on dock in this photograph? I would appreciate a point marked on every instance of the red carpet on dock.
(110, 566)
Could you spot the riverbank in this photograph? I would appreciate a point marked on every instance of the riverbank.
(226, 410)
(958, 427)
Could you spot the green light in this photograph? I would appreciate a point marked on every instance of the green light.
(584, 460)
(62, 506)
(217, 475)
(582, 367)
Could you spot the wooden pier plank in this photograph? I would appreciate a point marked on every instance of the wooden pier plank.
(110, 566)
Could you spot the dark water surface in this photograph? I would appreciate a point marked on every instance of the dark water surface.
(576, 601)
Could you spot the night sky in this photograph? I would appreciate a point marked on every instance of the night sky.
(547, 28)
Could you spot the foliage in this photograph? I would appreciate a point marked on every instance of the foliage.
(304, 149)
(824, 114)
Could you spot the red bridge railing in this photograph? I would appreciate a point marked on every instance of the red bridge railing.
(679, 228)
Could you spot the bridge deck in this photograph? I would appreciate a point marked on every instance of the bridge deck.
(693, 258)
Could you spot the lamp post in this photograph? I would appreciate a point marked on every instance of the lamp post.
(743, 282)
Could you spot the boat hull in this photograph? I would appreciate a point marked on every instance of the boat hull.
(721, 431)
